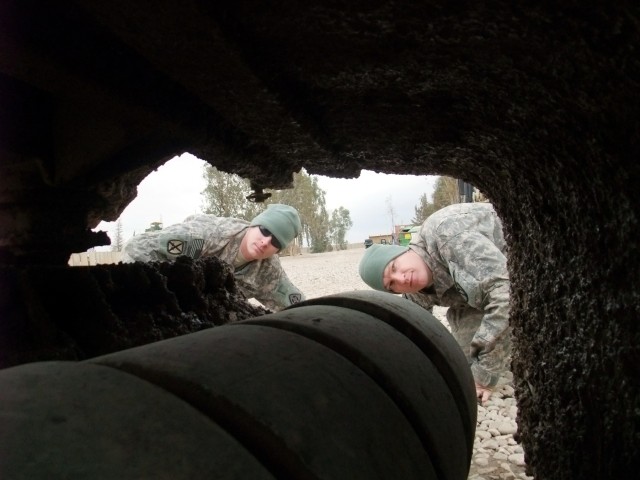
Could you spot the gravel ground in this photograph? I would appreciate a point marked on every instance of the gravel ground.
(496, 454)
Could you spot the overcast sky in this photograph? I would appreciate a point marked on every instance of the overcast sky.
(173, 192)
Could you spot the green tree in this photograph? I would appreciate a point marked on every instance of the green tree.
(339, 226)
(422, 210)
(445, 193)
(154, 226)
(319, 233)
(225, 195)
(308, 198)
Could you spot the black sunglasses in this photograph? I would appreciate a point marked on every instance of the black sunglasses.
(267, 233)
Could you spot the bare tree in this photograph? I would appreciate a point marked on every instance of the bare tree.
(392, 213)
(118, 239)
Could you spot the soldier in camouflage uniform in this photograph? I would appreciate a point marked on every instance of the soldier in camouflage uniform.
(458, 261)
(249, 247)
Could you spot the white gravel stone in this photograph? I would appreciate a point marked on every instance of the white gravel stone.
(507, 390)
(507, 428)
(517, 459)
(490, 444)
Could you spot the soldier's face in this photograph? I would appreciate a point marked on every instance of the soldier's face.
(407, 273)
(258, 246)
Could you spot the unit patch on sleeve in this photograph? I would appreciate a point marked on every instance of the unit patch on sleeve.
(175, 247)
(294, 298)
(191, 248)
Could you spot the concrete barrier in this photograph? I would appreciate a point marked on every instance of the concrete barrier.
(86, 259)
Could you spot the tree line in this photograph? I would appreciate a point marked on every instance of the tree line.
(225, 195)
(445, 193)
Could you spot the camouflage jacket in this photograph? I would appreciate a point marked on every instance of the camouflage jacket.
(207, 235)
(464, 247)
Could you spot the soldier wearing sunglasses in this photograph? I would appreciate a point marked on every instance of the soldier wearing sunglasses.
(249, 247)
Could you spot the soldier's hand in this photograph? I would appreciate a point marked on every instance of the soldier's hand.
(483, 393)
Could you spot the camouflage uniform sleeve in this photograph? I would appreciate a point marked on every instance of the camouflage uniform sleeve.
(199, 235)
(283, 294)
(480, 269)
(142, 248)
(268, 283)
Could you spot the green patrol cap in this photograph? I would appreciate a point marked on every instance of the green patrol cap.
(282, 221)
(375, 260)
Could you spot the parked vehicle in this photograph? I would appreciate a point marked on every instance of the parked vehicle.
(407, 234)
(368, 242)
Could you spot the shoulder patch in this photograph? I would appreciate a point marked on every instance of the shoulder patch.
(294, 298)
(191, 248)
(175, 247)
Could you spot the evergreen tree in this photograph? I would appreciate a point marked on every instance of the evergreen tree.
(154, 226)
(225, 195)
(445, 193)
(308, 198)
(319, 233)
(422, 210)
(340, 224)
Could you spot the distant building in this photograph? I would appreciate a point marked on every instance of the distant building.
(384, 239)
